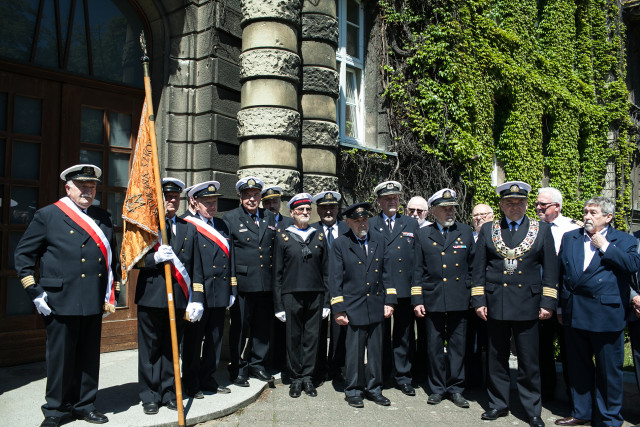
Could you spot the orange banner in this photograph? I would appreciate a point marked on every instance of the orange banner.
(140, 210)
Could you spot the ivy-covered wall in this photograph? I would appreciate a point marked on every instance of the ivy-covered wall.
(536, 86)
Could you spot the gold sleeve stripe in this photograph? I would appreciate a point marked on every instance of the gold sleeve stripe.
(28, 281)
(392, 291)
(198, 287)
(550, 292)
(234, 281)
(477, 290)
(336, 300)
(108, 308)
(416, 290)
(117, 286)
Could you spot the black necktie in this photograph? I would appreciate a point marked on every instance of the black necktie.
(254, 217)
(445, 231)
(390, 225)
(169, 232)
(329, 236)
(513, 227)
(363, 245)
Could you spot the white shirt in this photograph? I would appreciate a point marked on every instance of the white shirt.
(333, 230)
(559, 226)
(590, 250)
(518, 223)
(425, 223)
(392, 219)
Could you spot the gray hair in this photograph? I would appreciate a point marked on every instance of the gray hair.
(607, 206)
(556, 195)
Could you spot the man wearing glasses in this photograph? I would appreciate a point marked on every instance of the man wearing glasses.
(548, 207)
(480, 214)
(417, 208)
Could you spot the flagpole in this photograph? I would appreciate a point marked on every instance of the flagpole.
(163, 229)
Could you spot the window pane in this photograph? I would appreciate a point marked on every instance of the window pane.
(114, 206)
(27, 116)
(2, 148)
(17, 25)
(353, 41)
(91, 157)
(24, 202)
(18, 302)
(353, 12)
(26, 160)
(92, 127)
(118, 169)
(78, 55)
(120, 130)
(352, 105)
(3, 111)
(47, 48)
(115, 29)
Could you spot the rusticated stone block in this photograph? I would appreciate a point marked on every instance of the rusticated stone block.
(269, 93)
(265, 121)
(270, 63)
(316, 132)
(314, 184)
(320, 80)
(266, 152)
(320, 27)
(288, 179)
(319, 160)
(328, 7)
(270, 34)
(319, 107)
(318, 53)
(284, 10)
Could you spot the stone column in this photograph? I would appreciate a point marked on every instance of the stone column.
(320, 83)
(269, 118)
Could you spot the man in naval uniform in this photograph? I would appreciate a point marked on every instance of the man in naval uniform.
(330, 365)
(440, 294)
(271, 198)
(300, 292)
(361, 298)
(156, 382)
(216, 255)
(510, 293)
(75, 245)
(399, 236)
(253, 231)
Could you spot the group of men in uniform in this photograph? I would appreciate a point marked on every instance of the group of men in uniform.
(463, 287)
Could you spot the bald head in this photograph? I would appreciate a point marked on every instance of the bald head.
(417, 208)
(481, 213)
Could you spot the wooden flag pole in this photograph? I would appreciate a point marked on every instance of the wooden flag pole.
(163, 229)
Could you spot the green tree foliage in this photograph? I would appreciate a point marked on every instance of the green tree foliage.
(536, 85)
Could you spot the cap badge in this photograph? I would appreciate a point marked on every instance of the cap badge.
(328, 196)
(211, 188)
(514, 188)
(390, 186)
(251, 182)
(447, 194)
(88, 170)
(359, 210)
(269, 192)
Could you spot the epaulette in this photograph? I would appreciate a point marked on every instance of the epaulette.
(577, 222)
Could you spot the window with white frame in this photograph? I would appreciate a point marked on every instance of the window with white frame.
(350, 63)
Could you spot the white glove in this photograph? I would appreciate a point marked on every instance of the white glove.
(232, 299)
(325, 312)
(281, 316)
(41, 304)
(195, 310)
(164, 253)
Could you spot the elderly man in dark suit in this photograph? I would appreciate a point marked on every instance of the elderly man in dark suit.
(155, 356)
(253, 231)
(509, 292)
(398, 231)
(361, 298)
(200, 359)
(440, 293)
(78, 273)
(597, 263)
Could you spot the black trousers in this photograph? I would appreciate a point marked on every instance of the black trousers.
(358, 377)
(452, 328)
(475, 366)
(634, 336)
(304, 312)
(156, 381)
(203, 337)
(256, 315)
(73, 363)
(527, 342)
(322, 366)
(336, 358)
(403, 340)
(549, 330)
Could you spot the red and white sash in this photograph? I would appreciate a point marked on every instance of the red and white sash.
(87, 223)
(209, 232)
(178, 271)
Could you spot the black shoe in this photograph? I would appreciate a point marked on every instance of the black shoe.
(536, 422)
(50, 422)
(434, 398)
(494, 414)
(241, 381)
(355, 401)
(172, 404)
(378, 399)
(261, 375)
(196, 395)
(223, 390)
(150, 408)
(407, 389)
(95, 417)
(309, 389)
(295, 390)
(458, 400)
